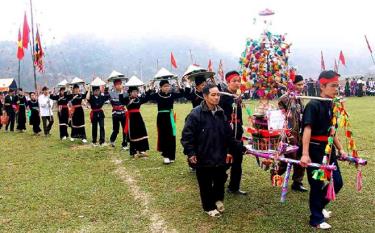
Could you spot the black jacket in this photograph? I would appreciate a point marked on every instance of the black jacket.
(208, 136)
(8, 103)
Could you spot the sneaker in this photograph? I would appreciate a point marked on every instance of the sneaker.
(324, 226)
(112, 144)
(84, 141)
(220, 206)
(214, 213)
(125, 148)
(103, 144)
(94, 144)
(172, 161)
(327, 214)
(64, 138)
(166, 161)
(72, 139)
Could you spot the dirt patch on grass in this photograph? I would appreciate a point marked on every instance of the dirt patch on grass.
(158, 224)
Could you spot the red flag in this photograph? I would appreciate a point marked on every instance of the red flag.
(368, 44)
(25, 33)
(173, 61)
(322, 65)
(342, 58)
(210, 67)
(39, 53)
(20, 53)
(336, 67)
(221, 71)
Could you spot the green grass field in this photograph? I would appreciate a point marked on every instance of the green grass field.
(47, 185)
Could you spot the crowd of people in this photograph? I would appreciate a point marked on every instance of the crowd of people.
(212, 137)
(351, 87)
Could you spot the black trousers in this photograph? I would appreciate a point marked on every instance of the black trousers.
(47, 127)
(63, 129)
(236, 170)
(117, 120)
(12, 119)
(95, 122)
(318, 189)
(211, 181)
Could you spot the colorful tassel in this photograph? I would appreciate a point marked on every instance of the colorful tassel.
(331, 195)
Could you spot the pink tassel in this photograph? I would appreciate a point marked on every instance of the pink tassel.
(359, 180)
(331, 195)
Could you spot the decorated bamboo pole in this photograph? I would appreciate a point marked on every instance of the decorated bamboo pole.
(268, 155)
(284, 189)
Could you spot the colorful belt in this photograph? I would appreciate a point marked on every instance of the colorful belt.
(320, 138)
(173, 120)
(92, 113)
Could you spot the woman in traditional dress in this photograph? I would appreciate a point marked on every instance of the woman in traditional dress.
(77, 115)
(62, 99)
(135, 128)
(34, 119)
(166, 122)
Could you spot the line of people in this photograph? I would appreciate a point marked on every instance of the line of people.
(212, 134)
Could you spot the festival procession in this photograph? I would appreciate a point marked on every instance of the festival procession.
(262, 118)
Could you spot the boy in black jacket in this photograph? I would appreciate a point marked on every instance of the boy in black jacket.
(207, 141)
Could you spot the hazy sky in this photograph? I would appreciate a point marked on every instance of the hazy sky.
(225, 25)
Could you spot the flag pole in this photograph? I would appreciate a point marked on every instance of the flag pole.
(372, 57)
(19, 73)
(33, 47)
(370, 50)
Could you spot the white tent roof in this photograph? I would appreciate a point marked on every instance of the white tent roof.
(97, 82)
(77, 80)
(6, 82)
(134, 82)
(164, 73)
(193, 69)
(116, 75)
(63, 83)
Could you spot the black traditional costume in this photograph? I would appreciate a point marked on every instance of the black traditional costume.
(135, 128)
(63, 112)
